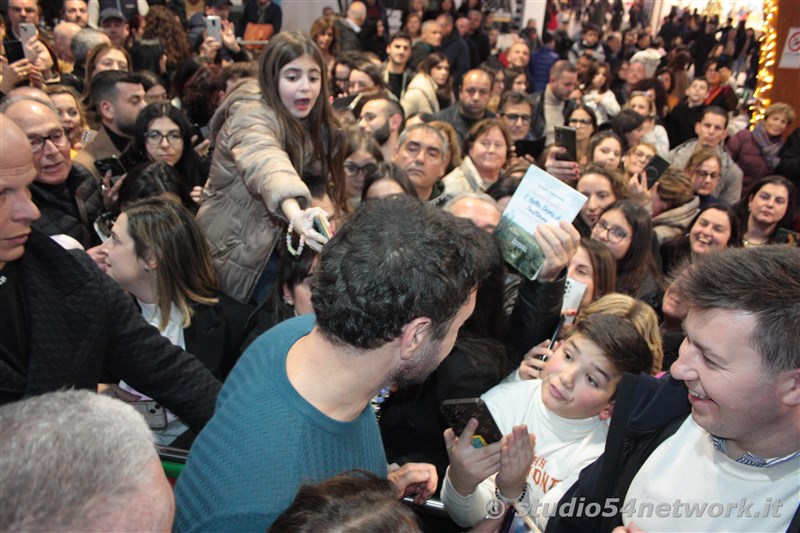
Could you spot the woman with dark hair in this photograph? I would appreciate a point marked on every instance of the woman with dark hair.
(326, 34)
(153, 178)
(356, 500)
(162, 133)
(386, 179)
(271, 135)
(599, 96)
(503, 189)
(155, 88)
(629, 125)
(602, 186)
(486, 148)
(365, 78)
(161, 24)
(667, 77)
(715, 227)
(431, 90)
(583, 119)
(203, 93)
(719, 94)
(627, 230)
(158, 254)
(148, 54)
(655, 134)
(770, 204)
(594, 266)
(290, 295)
(362, 153)
(515, 79)
(606, 147)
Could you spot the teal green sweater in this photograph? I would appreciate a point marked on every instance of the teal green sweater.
(264, 441)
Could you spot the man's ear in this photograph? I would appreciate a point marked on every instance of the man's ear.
(788, 386)
(395, 121)
(414, 335)
(605, 414)
(106, 110)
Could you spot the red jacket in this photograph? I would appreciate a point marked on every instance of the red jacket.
(745, 152)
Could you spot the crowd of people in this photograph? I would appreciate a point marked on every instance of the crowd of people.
(279, 247)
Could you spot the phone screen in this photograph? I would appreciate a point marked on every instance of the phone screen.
(458, 412)
(14, 51)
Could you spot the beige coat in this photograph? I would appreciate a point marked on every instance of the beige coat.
(251, 175)
(420, 96)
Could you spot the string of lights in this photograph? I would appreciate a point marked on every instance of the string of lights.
(766, 61)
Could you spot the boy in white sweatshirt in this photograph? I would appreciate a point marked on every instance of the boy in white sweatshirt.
(553, 426)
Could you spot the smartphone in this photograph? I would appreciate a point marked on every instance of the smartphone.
(459, 411)
(26, 31)
(565, 136)
(154, 414)
(322, 226)
(785, 236)
(14, 51)
(110, 163)
(657, 166)
(531, 148)
(573, 296)
(214, 27)
(554, 337)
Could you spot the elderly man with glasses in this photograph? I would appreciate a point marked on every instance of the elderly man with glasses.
(66, 194)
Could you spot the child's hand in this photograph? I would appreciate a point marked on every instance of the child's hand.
(533, 362)
(469, 466)
(304, 225)
(516, 458)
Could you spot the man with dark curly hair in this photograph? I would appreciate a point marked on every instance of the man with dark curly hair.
(392, 289)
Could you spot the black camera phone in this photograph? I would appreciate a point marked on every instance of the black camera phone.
(459, 411)
(565, 137)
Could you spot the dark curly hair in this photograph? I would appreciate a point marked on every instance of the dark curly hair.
(397, 259)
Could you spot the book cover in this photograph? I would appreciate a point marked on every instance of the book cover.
(540, 199)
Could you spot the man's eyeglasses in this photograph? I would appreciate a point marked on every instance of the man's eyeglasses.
(513, 117)
(58, 138)
(155, 137)
(615, 234)
(706, 174)
(352, 169)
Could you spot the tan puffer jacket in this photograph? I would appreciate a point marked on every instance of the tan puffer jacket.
(251, 175)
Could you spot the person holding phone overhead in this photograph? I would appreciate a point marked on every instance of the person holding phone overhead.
(553, 426)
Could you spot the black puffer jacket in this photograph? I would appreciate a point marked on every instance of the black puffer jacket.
(70, 208)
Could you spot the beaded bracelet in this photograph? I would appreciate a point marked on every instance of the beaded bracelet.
(301, 242)
(511, 500)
